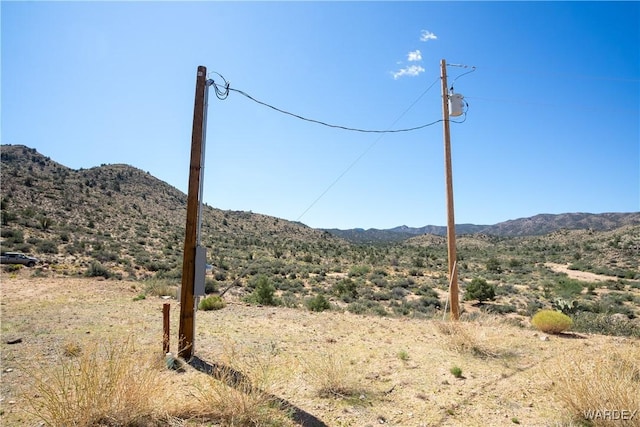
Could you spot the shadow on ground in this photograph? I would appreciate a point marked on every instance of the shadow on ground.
(238, 380)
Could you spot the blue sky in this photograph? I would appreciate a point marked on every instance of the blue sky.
(553, 123)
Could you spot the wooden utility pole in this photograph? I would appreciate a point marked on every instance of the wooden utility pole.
(187, 325)
(451, 224)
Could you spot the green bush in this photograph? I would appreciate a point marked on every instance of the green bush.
(264, 292)
(552, 322)
(212, 302)
(456, 371)
(480, 290)
(47, 247)
(318, 303)
(210, 286)
(97, 270)
(604, 324)
(346, 289)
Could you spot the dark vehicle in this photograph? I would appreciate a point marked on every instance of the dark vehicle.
(17, 258)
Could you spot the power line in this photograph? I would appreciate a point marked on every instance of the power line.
(353, 163)
(223, 91)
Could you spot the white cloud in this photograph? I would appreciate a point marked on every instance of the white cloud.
(411, 70)
(427, 35)
(414, 56)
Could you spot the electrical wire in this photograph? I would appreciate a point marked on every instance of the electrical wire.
(220, 94)
(223, 91)
(473, 68)
(369, 148)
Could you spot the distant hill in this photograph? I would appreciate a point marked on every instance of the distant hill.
(119, 222)
(119, 215)
(125, 218)
(533, 226)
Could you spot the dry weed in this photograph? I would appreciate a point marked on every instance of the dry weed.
(333, 376)
(240, 391)
(602, 389)
(106, 383)
(468, 338)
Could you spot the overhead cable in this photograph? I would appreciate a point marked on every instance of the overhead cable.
(222, 91)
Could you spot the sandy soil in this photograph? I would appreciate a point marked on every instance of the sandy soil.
(402, 366)
(579, 275)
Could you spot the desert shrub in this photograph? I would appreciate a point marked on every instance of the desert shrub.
(568, 288)
(104, 255)
(12, 236)
(551, 322)
(500, 308)
(506, 289)
(604, 324)
(210, 286)
(71, 349)
(290, 300)
(427, 291)
(468, 338)
(97, 270)
(367, 307)
(479, 290)
(398, 292)
(264, 292)
(174, 274)
(359, 270)
(332, 376)
(160, 287)
(381, 296)
(346, 288)
(609, 304)
(97, 383)
(456, 371)
(318, 303)
(12, 267)
(426, 304)
(493, 265)
(212, 302)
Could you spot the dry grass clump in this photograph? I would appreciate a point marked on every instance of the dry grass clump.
(223, 399)
(601, 388)
(332, 376)
(240, 392)
(551, 322)
(465, 337)
(105, 383)
(112, 384)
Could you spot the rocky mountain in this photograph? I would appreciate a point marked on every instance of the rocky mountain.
(122, 216)
(533, 226)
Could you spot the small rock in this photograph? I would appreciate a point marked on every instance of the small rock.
(14, 341)
(8, 370)
(544, 338)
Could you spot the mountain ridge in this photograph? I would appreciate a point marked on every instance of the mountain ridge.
(80, 191)
(536, 225)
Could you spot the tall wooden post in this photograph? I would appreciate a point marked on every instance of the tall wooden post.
(187, 326)
(451, 224)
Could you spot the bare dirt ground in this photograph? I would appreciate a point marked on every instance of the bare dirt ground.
(579, 275)
(401, 366)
